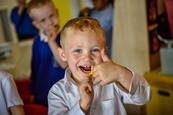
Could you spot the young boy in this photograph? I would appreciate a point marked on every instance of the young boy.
(102, 93)
(22, 21)
(103, 12)
(46, 66)
(10, 101)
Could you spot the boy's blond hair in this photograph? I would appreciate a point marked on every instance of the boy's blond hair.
(36, 4)
(81, 24)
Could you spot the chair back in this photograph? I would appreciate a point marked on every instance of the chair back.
(23, 86)
(34, 109)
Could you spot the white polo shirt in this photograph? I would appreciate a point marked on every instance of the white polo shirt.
(8, 93)
(63, 97)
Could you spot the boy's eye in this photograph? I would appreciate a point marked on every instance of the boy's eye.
(42, 21)
(95, 50)
(78, 50)
(51, 15)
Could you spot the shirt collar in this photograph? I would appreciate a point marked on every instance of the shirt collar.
(43, 37)
(69, 82)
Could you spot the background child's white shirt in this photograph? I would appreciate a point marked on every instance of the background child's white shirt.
(64, 97)
(43, 37)
(8, 93)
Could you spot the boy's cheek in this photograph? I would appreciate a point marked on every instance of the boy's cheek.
(100, 60)
(37, 25)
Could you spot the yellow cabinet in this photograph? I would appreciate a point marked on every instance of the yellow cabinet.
(162, 93)
(161, 102)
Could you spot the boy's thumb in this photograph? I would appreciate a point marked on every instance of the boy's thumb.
(104, 56)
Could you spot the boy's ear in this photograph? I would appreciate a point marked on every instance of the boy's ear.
(106, 50)
(61, 54)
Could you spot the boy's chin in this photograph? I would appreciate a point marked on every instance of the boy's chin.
(79, 79)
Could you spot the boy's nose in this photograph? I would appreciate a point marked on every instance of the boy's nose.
(50, 21)
(87, 56)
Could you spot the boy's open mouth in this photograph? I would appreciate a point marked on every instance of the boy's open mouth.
(85, 69)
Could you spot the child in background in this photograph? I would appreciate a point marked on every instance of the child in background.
(10, 101)
(22, 21)
(46, 67)
(103, 12)
(104, 92)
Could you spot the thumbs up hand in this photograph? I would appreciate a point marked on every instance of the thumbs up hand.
(107, 71)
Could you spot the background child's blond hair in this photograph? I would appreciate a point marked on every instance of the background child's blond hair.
(36, 4)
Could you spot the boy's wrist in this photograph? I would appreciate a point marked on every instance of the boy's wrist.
(84, 107)
(122, 73)
(125, 78)
(52, 42)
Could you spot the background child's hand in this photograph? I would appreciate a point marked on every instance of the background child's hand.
(53, 33)
(86, 93)
(85, 11)
(20, 9)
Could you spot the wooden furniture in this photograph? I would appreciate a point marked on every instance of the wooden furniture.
(169, 10)
(18, 63)
(162, 93)
(131, 43)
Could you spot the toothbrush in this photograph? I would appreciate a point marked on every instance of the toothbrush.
(91, 72)
(91, 75)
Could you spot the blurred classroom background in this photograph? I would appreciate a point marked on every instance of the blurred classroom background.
(134, 44)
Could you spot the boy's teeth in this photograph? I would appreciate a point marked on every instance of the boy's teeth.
(86, 66)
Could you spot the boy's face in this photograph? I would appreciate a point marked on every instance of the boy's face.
(81, 51)
(45, 17)
(100, 4)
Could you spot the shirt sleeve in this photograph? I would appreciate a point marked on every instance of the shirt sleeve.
(140, 91)
(10, 91)
(58, 104)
